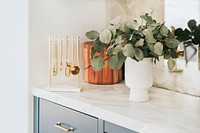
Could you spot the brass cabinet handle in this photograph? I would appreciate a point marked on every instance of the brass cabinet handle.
(59, 125)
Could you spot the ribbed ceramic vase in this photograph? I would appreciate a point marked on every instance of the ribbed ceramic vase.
(139, 78)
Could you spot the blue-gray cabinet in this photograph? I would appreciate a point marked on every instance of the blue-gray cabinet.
(50, 117)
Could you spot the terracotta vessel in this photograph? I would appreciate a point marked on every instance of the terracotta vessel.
(105, 75)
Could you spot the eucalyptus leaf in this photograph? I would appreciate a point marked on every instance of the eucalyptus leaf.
(98, 46)
(139, 54)
(119, 40)
(132, 24)
(121, 59)
(112, 29)
(97, 63)
(145, 51)
(192, 24)
(149, 36)
(158, 48)
(119, 32)
(93, 34)
(159, 36)
(174, 54)
(150, 46)
(105, 36)
(122, 28)
(196, 34)
(153, 26)
(164, 30)
(93, 51)
(171, 63)
(110, 50)
(117, 49)
(167, 55)
(115, 62)
(172, 42)
(127, 32)
(147, 18)
(139, 43)
(115, 21)
(129, 51)
(182, 35)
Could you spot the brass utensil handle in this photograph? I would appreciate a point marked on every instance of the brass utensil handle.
(59, 125)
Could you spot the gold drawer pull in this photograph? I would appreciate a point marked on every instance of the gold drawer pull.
(59, 125)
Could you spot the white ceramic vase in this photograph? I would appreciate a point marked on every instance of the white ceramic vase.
(139, 78)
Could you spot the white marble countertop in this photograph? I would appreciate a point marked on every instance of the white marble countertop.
(166, 112)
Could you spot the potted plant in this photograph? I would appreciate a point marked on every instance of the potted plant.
(136, 45)
(190, 36)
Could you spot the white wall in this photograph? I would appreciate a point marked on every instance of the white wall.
(14, 92)
(179, 12)
(60, 17)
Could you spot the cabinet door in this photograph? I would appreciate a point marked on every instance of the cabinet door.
(50, 114)
(112, 128)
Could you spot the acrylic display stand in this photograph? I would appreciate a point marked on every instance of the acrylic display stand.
(61, 66)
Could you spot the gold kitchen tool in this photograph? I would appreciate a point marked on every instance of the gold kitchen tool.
(61, 52)
(50, 61)
(55, 56)
(78, 60)
(72, 49)
(67, 68)
(74, 70)
(71, 68)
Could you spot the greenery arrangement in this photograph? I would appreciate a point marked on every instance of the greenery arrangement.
(189, 36)
(128, 39)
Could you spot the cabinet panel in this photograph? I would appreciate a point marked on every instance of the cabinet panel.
(51, 113)
(112, 128)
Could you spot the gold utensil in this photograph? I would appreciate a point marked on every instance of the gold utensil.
(61, 53)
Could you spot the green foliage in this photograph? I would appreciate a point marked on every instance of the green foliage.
(164, 30)
(92, 34)
(132, 25)
(115, 62)
(149, 36)
(139, 54)
(190, 35)
(148, 19)
(97, 63)
(171, 63)
(128, 50)
(158, 48)
(172, 42)
(92, 53)
(139, 43)
(192, 24)
(105, 36)
(129, 39)
(98, 46)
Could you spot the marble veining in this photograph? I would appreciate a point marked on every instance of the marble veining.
(166, 112)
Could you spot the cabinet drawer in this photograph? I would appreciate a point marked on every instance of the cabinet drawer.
(112, 128)
(51, 113)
